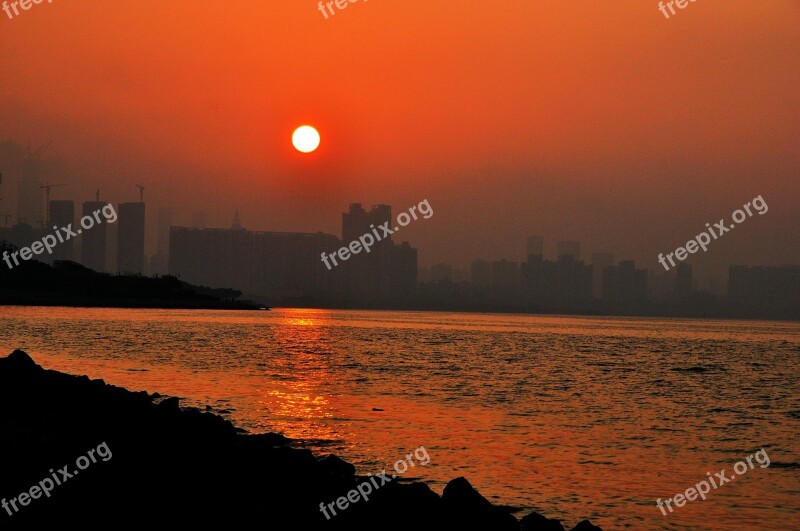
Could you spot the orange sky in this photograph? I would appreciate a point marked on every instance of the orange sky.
(598, 121)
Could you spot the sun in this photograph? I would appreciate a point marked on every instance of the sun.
(305, 139)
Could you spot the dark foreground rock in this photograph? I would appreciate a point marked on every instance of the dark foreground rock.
(155, 465)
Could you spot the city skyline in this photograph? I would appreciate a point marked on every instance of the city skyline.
(507, 139)
(155, 243)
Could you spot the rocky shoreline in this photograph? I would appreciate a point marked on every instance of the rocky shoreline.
(167, 465)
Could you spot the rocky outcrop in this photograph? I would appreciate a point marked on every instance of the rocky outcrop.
(164, 465)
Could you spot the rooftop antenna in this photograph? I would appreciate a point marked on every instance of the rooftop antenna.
(141, 192)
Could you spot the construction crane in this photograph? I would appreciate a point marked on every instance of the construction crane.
(47, 187)
(141, 192)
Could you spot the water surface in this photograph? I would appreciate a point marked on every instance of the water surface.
(573, 417)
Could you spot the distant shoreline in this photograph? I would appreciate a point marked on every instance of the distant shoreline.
(132, 304)
(731, 316)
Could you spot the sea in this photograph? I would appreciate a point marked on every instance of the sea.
(573, 417)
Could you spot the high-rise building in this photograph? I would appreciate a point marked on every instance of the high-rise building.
(62, 214)
(160, 261)
(569, 248)
(261, 264)
(93, 241)
(403, 269)
(367, 276)
(624, 285)
(358, 222)
(600, 261)
(130, 238)
(279, 266)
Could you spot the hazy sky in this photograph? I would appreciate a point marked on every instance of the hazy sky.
(598, 121)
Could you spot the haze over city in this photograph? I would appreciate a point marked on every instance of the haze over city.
(595, 123)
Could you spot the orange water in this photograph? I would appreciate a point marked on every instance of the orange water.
(573, 417)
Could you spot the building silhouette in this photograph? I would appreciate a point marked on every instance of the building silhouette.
(599, 262)
(130, 238)
(624, 286)
(62, 214)
(275, 265)
(93, 241)
(562, 285)
(159, 264)
(387, 270)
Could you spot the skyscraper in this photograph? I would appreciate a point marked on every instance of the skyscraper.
(93, 241)
(357, 221)
(62, 214)
(130, 238)
(599, 262)
(368, 275)
(160, 262)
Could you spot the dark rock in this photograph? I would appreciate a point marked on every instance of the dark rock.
(586, 525)
(467, 508)
(265, 440)
(337, 467)
(187, 466)
(172, 404)
(537, 522)
(20, 361)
